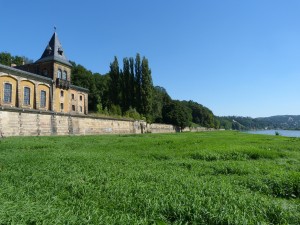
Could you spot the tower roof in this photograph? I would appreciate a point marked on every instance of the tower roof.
(54, 51)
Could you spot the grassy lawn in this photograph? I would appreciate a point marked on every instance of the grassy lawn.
(190, 178)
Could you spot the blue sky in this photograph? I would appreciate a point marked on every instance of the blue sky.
(235, 57)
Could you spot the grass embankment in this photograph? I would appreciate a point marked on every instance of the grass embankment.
(200, 178)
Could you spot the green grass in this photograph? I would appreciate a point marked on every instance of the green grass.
(190, 178)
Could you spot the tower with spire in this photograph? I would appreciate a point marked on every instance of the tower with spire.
(54, 63)
(54, 52)
(64, 97)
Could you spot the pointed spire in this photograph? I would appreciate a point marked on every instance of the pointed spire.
(54, 51)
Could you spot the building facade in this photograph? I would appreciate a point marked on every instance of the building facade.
(43, 85)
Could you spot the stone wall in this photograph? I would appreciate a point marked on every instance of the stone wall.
(20, 122)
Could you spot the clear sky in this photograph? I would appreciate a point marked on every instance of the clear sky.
(237, 57)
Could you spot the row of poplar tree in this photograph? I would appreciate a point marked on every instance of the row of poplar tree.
(126, 90)
(131, 87)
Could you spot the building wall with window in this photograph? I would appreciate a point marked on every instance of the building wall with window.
(60, 69)
(26, 90)
(6, 100)
(62, 103)
(27, 94)
(43, 97)
(20, 89)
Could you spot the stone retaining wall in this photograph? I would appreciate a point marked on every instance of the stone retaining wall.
(18, 122)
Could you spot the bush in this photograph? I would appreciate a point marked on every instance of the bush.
(115, 110)
(132, 113)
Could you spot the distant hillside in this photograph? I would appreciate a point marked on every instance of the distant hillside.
(247, 123)
(282, 122)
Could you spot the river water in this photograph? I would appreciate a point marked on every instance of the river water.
(287, 133)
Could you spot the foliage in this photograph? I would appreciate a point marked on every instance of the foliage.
(138, 82)
(146, 88)
(201, 115)
(160, 98)
(177, 114)
(115, 110)
(96, 83)
(115, 83)
(190, 178)
(132, 113)
(127, 86)
(7, 59)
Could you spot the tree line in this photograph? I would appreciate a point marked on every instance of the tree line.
(7, 59)
(287, 122)
(127, 90)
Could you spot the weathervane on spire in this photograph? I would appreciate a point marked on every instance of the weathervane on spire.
(54, 28)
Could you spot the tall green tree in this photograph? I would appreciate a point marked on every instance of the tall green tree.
(146, 89)
(114, 84)
(126, 86)
(5, 58)
(138, 82)
(160, 98)
(18, 60)
(101, 83)
(177, 114)
(131, 91)
(202, 115)
(85, 78)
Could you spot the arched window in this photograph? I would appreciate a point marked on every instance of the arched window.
(26, 96)
(7, 92)
(59, 74)
(64, 75)
(43, 99)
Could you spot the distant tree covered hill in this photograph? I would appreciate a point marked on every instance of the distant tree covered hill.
(290, 122)
(282, 122)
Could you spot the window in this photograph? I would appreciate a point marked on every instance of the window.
(61, 106)
(80, 108)
(60, 51)
(64, 75)
(26, 96)
(61, 93)
(7, 92)
(43, 99)
(80, 97)
(59, 73)
(73, 107)
(73, 96)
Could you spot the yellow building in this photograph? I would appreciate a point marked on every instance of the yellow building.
(43, 85)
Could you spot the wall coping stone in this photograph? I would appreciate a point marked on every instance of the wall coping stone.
(34, 111)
